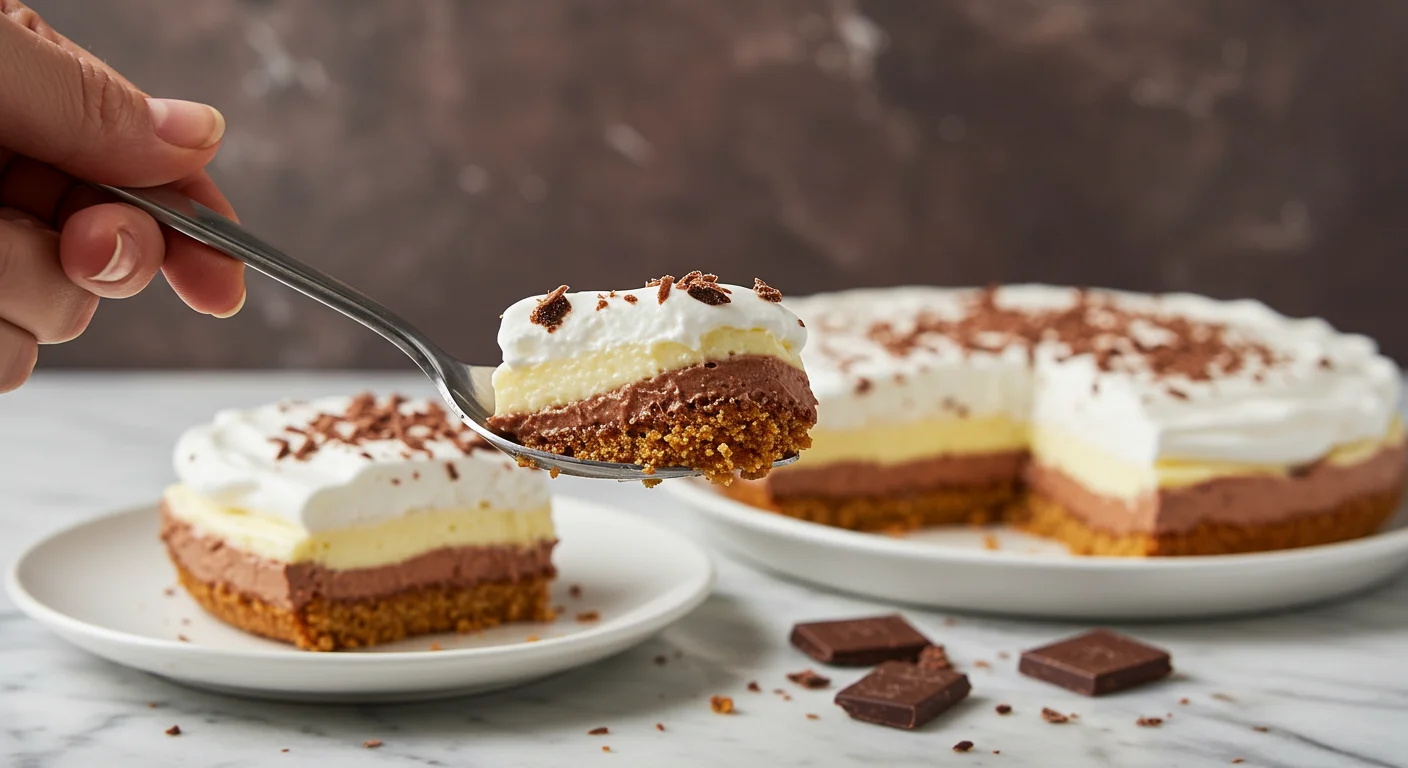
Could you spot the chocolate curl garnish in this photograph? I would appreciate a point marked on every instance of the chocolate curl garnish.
(766, 292)
(552, 309)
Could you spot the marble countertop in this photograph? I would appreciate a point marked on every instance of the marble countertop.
(1329, 685)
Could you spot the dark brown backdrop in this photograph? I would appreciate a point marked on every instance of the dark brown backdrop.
(450, 157)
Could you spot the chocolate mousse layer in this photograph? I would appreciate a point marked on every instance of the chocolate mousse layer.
(770, 382)
(1247, 500)
(845, 479)
(293, 585)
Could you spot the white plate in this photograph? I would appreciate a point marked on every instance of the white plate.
(1026, 576)
(103, 585)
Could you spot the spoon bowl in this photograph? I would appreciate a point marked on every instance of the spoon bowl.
(466, 388)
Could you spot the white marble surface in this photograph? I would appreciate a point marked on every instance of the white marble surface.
(1330, 683)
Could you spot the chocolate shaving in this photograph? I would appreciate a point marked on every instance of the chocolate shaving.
(722, 705)
(753, 686)
(712, 295)
(283, 447)
(808, 678)
(600, 304)
(1004, 709)
(174, 730)
(630, 299)
(665, 283)
(367, 420)
(552, 309)
(1093, 325)
(371, 743)
(766, 292)
(963, 746)
(934, 657)
(1052, 716)
(602, 731)
(1149, 722)
(451, 471)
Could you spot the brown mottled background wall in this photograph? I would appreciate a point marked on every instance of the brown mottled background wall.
(451, 157)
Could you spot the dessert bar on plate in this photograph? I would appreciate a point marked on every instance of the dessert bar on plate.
(1117, 423)
(346, 522)
(690, 373)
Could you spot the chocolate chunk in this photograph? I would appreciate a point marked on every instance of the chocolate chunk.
(859, 642)
(903, 695)
(1096, 663)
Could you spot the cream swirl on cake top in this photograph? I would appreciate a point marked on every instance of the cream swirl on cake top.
(343, 462)
(1174, 379)
(566, 346)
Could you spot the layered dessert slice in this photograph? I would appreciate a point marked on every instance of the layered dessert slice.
(1180, 425)
(687, 372)
(1121, 424)
(347, 522)
(915, 427)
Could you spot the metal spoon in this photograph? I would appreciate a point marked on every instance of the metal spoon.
(466, 388)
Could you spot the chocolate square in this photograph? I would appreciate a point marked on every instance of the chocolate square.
(902, 695)
(859, 642)
(1096, 663)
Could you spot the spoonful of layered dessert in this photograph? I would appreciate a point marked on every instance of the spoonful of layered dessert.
(715, 443)
(681, 373)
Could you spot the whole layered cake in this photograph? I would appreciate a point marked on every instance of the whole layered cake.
(1118, 423)
(346, 522)
(688, 372)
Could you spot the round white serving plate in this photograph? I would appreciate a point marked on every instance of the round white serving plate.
(1026, 576)
(105, 586)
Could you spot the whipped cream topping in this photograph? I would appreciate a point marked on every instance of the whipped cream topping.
(341, 461)
(1144, 378)
(596, 321)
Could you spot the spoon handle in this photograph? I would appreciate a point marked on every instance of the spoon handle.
(179, 212)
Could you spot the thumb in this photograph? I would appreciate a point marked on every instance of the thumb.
(72, 112)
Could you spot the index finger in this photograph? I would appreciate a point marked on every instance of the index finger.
(27, 18)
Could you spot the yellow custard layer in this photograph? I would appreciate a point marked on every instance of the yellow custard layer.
(526, 389)
(384, 543)
(1116, 478)
(1096, 469)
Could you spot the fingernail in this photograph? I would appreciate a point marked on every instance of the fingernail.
(186, 124)
(124, 258)
(237, 308)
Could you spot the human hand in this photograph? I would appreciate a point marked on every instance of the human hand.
(66, 116)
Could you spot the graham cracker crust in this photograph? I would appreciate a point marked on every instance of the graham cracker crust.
(720, 439)
(975, 505)
(1353, 519)
(331, 625)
